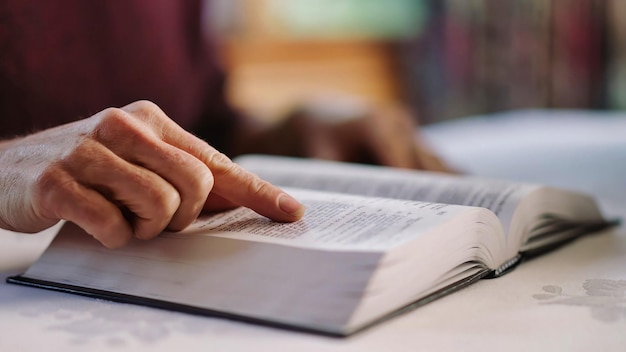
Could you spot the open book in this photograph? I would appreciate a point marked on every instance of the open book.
(374, 241)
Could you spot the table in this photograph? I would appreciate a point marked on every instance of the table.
(573, 299)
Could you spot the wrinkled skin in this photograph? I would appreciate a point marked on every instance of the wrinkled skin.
(125, 172)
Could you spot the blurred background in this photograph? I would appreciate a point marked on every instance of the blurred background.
(444, 58)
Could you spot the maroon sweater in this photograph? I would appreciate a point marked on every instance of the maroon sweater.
(62, 60)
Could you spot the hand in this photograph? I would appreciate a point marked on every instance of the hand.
(123, 173)
(348, 130)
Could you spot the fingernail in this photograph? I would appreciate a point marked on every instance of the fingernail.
(289, 205)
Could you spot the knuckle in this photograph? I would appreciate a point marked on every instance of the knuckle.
(113, 123)
(164, 205)
(254, 184)
(166, 201)
(145, 106)
(194, 196)
(202, 179)
(107, 225)
(257, 186)
(146, 110)
(120, 127)
(232, 170)
(171, 202)
(113, 116)
(51, 186)
(217, 158)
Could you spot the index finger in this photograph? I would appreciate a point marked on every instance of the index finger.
(240, 186)
(231, 181)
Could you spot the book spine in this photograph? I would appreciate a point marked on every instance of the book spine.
(506, 267)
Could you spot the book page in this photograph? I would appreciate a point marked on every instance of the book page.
(332, 220)
(291, 285)
(310, 273)
(501, 197)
